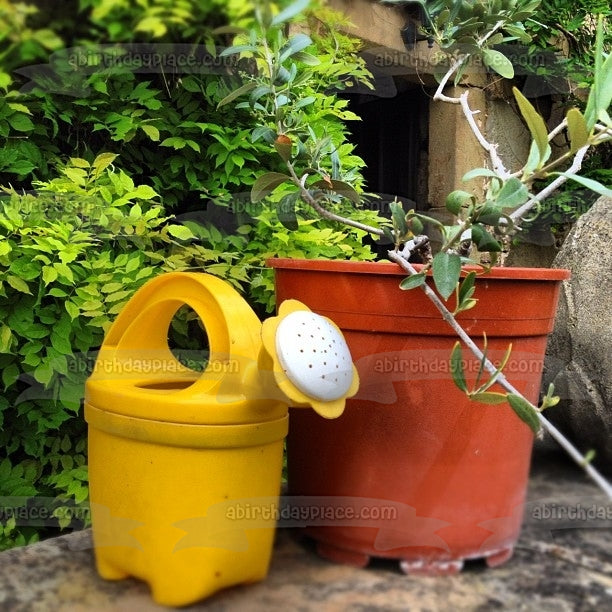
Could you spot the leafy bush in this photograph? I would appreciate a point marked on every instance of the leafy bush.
(71, 255)
(200, 157)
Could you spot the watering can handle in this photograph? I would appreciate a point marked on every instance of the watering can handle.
(141, 328)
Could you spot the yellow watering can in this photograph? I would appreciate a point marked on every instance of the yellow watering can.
(176, 455)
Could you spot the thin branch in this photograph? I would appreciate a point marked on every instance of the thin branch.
(521, 211)
(557, 130)
(490, 148)
(322, 211)
(447, 315)
(439, 95)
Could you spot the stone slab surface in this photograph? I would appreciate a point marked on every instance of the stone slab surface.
(563, 562)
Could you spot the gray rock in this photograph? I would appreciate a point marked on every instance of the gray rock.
(579, 354)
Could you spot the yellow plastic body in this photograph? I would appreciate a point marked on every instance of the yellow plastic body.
(176, 456)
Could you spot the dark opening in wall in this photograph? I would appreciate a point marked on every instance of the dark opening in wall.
(392, 138)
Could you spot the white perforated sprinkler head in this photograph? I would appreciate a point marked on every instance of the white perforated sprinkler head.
(314, 355)
(309, 358)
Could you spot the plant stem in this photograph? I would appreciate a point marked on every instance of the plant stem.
(322, 211)
(447, 315)
(521, 211)
(490, 148)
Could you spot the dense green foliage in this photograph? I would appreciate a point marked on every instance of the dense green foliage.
(117, 163)
(71, 255)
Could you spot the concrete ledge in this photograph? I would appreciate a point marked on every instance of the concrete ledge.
(561, 563)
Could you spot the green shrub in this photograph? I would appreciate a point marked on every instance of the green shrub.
(71, 255)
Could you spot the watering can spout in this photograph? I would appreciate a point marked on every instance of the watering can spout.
(309, 360)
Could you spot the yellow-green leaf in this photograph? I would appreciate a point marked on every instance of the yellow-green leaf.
(72, 309)
(456, 362)
(6, 336)
(535, 123)
(489, 397)
(49, 274)
(22, 108)
(577, 129)
(151, 131)
(18, 283)
(102, 162)
(79, 162)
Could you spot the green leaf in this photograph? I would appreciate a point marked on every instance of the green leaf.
(534, 122)
(151, 131)
(493, 378)
(512, 194)
(153, 25)
(20, 122)
(19, 284)
(446, 269)
(489, 214)
(144, 192)
(5, 248)
(286, 211)
(234, 50)
(525, 411)
(246, 88)
(49, 274)
(340, 187)
(577, 129)
(262, 131)
(294, 45)
(465, 293)
(22, 108)
(6, 337)
(413, 281)
(291, 11)
(589, 456)
(488, 397)
(517, 32)
(533, 160)
(483, 240)
(64, 271)
(60, 344)
(589, 183)
(456, 365)
(306, 58)
(72, 309)
(456, 199)
(267, 183)
(399, 217)
(10, 374)
(103, 161)
(181, 232)
(478, 172)
(498, 62)
(600, 94)
(174, 141)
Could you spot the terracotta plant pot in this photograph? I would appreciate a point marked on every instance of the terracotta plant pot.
(413, 470)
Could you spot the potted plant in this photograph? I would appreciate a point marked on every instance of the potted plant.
(433, 435)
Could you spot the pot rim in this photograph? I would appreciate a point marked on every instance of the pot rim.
(389, 268)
